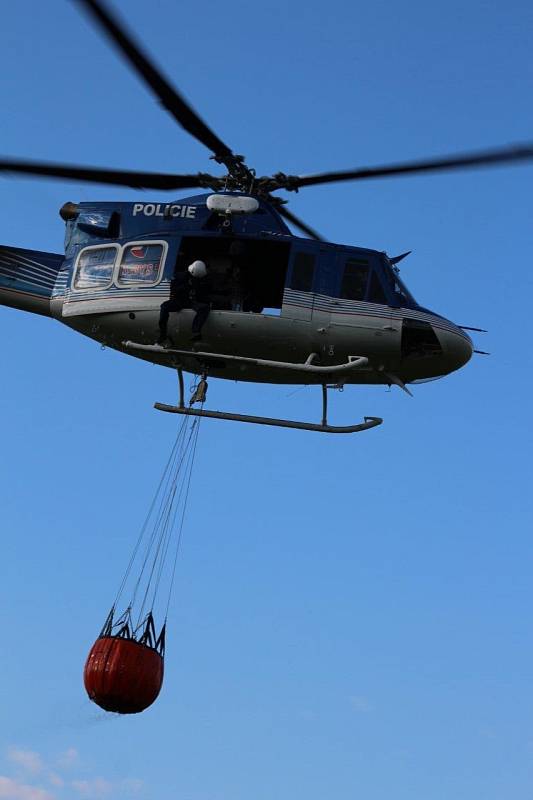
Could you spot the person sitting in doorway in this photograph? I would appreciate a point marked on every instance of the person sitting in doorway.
(201, 291)
(188, 289)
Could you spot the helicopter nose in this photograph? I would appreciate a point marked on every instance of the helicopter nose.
(457, 348)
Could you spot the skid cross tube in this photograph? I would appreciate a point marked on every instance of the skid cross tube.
(181, 387)
(324, 404)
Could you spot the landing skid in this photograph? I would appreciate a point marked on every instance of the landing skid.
(201, 392)
(370, 422)
(332, 371)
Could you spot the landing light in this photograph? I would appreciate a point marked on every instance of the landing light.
(232, 204)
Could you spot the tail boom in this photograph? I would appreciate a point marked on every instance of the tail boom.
(27, 278)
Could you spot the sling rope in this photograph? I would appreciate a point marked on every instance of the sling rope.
(153, 562)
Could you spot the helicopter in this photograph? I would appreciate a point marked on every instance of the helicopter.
(284, 309)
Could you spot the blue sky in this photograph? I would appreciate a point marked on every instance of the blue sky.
(352, 615)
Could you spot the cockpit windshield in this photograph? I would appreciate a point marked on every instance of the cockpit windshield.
(401, 292)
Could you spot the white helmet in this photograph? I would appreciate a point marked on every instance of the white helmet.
(198, 269)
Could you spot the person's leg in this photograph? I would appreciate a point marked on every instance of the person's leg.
(166, 308)
(163, 320)
(202, 313)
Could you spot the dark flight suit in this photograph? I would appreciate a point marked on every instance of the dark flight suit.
(201, 292)
(187, 292)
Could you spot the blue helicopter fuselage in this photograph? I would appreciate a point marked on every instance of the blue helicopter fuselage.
(276, 296)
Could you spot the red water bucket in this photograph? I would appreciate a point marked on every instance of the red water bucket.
(123, 675)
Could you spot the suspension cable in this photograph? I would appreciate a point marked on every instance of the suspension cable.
(182, 520)
(149, 514)
(159, 541)
(165, 529)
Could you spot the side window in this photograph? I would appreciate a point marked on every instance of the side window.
(376, 293)
(94, 269)
(141, 263)
(355, 279)
(302, 272)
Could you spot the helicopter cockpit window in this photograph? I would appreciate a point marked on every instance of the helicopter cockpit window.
(375, 292)
(141, 263)
(355, 279)
(402, 293)
(303, 272)
(94, 269)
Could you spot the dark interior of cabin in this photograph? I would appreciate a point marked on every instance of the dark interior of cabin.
(246, 275)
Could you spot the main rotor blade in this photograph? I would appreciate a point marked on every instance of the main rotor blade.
(288, 215)
(505, 155)
(115, 177)
(175, 104)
